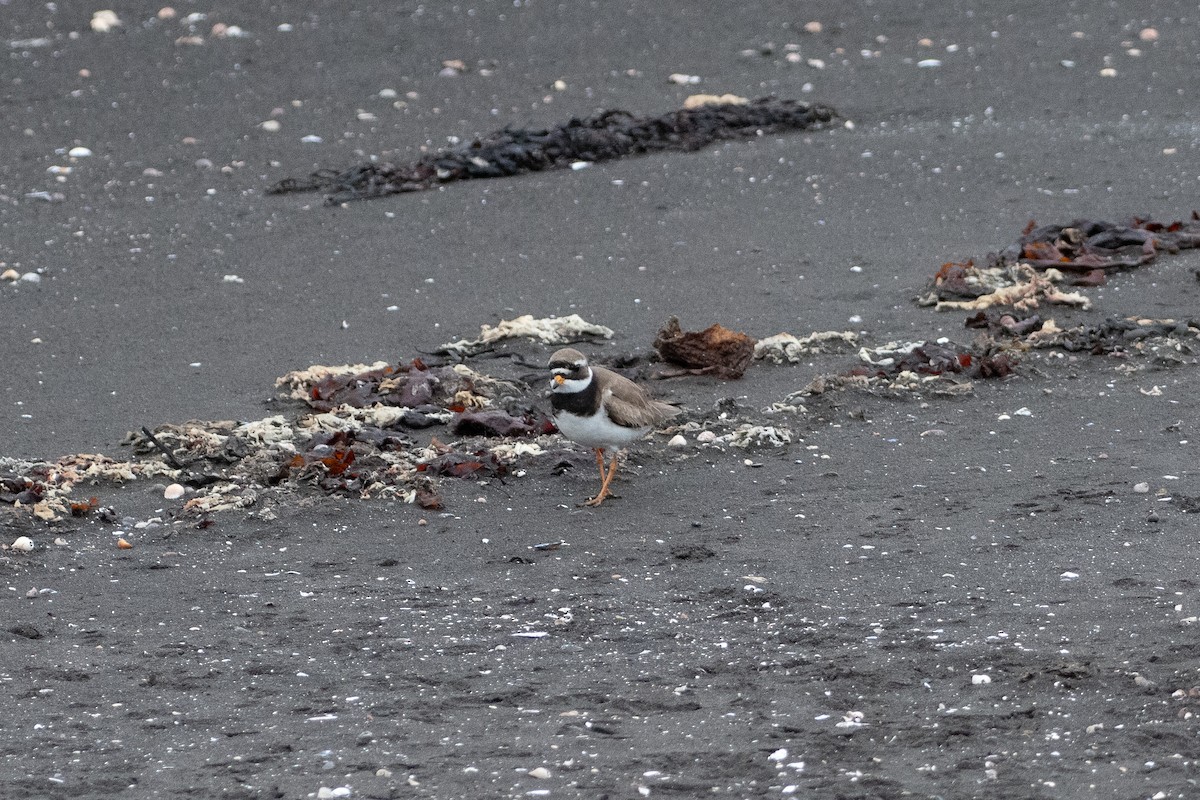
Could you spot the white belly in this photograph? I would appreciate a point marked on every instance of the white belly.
(596, 431)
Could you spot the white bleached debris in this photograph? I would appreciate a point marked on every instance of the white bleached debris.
(105, 21)
(548, 330)
(785, 347)
(760, 436)
(173, 492)
(79, 152)
(699, 100)
(779, 755)
(981, 680)
(299, 381)
(852, 719)
(683, 79)
(511, 451)
(22, 544)
(540, 773)
(678, 440)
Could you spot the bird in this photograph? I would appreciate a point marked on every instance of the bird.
(600, 409)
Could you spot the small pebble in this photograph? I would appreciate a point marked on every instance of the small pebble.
(22, 544)
(813, 27)
(31, 277)
(1141, 488)
(124, 545)
(383, 772)
(677, 440)
(706, 437)
(32, 593)
(166, 12)
(682, 79)
(1148, 34)
(539, 772)
(1108, 72)
(79, 152)
(173, 492)
(10, 275)
(271, 126)
(929, 63)
(1152, 517)
(981, 680)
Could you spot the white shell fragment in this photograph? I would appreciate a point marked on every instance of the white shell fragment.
(173, 492)
(22, 544)
(981, 680)
(79, 152)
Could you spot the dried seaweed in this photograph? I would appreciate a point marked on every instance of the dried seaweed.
(1170, 339)
(494, 422)
(715, 350)
(1087, 245)
(607, 135)
(1004, 323)
(1081, 254)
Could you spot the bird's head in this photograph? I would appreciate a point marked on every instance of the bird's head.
(569, 371)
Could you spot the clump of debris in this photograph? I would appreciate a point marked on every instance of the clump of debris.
(1029, 272)
(352, 433)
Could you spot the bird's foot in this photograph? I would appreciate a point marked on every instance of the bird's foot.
(592, 502)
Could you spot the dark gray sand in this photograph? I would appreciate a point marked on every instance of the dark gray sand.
(988, 594)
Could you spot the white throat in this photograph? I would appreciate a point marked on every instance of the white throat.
(571, 386)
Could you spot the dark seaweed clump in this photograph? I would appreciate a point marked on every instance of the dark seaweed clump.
(605, 136)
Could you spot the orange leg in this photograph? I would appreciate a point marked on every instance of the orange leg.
(606, 479)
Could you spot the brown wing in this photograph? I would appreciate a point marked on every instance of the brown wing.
(631, 407)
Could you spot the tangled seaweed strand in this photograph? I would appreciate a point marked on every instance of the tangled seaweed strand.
(1086, 245)
(611, 134)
